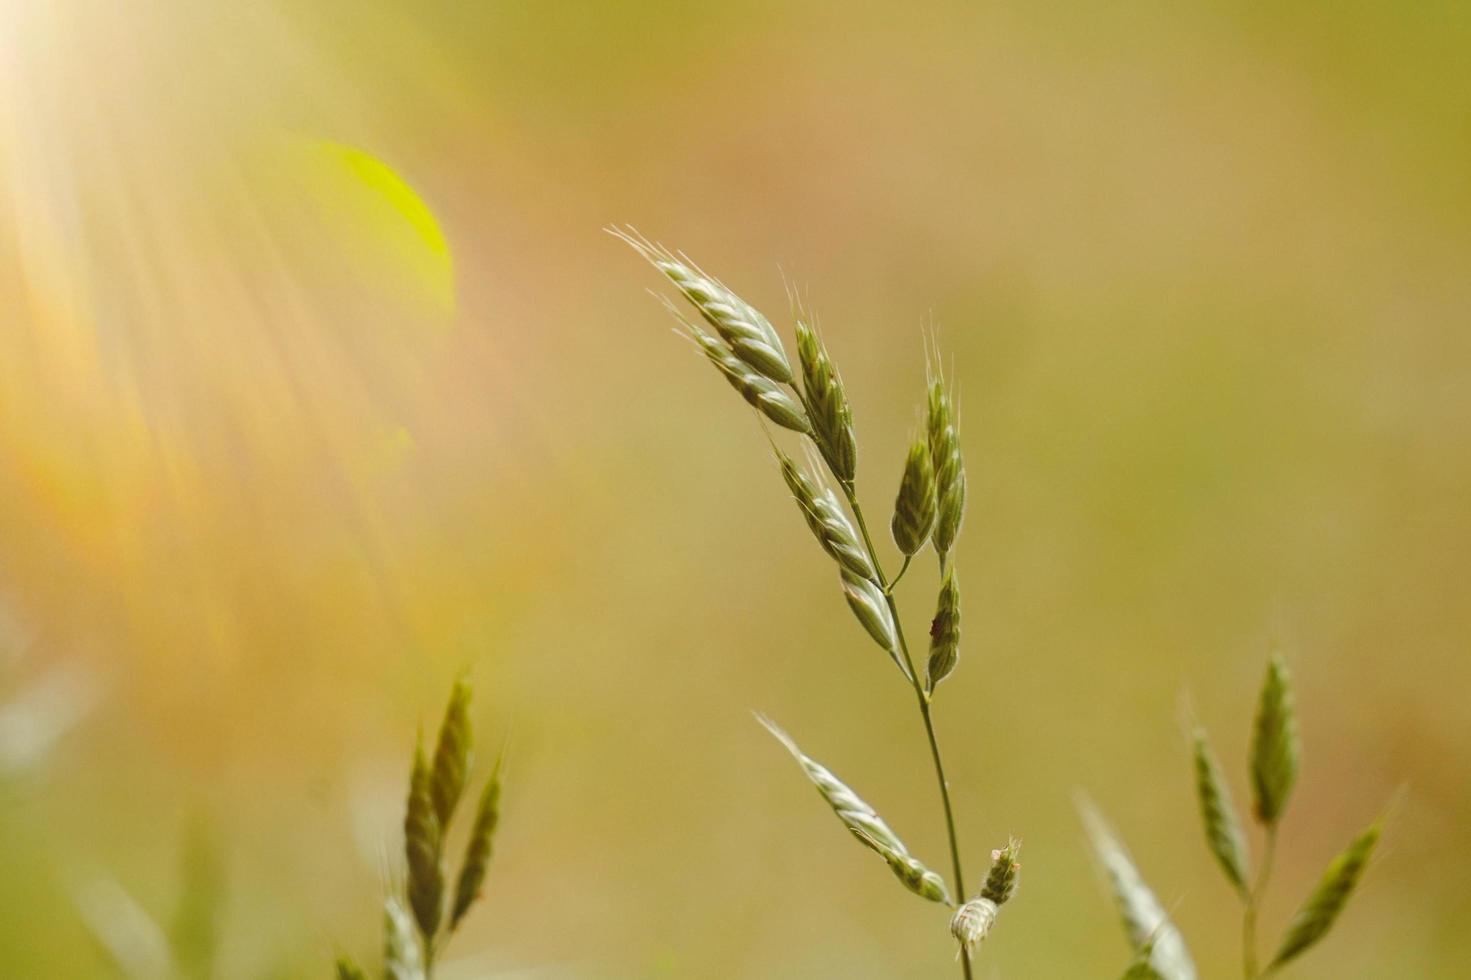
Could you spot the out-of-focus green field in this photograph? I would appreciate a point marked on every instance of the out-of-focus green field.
(288, 441)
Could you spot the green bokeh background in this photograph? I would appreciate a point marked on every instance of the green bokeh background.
(1201, 274)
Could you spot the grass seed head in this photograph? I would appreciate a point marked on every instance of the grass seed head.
(748, 334)
(914, 507)
(1005, 872)
(972, 922)
(865, 824)
(1322, 908)
(824, 515)
(452, 754)
(944, 443)
(832, 418)
(1222, 829)
(1144, 918)
(1275, 750)
(763, 394)
(945, 631)
(868, 603)
(402, 958)
(422, 847)
(478, 851)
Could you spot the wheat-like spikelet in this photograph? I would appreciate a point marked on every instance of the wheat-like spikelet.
(824, 515)
(760, 392)
(1222, 829)
(973, 921)
(945, 631)
(402, 959)
(1322, 908)
(1274, 749)
(949, 467)
(872, 609)
(423, 839)
(1143, 917)
(865, 823)
(827, 402)
(478, 851)
(750, 336)
(914, 507)
(452, 754)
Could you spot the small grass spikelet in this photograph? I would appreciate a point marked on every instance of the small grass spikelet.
(867, 601)
(452, 754)
(914, 507)
(945, 631)
(422, 844)
(831, 416)
(972, 922)
(949, 467)
(1218, 812)
(760, 392)
(402, 959)
(1322, 908)
(865, 823)
(1275, 749)
(750, 336)
(478, 850)
(824, 515)
(1143, 916)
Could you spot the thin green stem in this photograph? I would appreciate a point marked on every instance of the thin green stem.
(924, 708)
(1253, 900)
(902, 569)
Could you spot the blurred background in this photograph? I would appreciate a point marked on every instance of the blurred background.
(320, 384)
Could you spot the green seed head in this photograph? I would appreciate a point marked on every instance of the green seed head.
(825, 517)
(945, 630)
(422, 843)
(1275, 749)
(865, 824)
(452, 754)
(750, 336)
(832, 419)
(1322, 908)
(478, 851)
(944, 443)
(914, 508)
(868, 603)
(1002, 880)
(1222, 830)
(767, 397)
(972, 922)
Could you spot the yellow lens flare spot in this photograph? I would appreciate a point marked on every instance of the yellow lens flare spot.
(379, 223)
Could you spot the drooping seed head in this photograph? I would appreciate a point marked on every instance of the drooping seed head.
(1005, 872)
(1222, 829)
(452, 754)
(767, 397)
(402, 959)
(825, 516)
(1322, 908)
(750, 336)
(832, 418)
(1144, 918)
(944, 443)
(1275, 749)
(478, 851)
(422, 844)
(867, 601)
(972, 922)
(945, 631)
(914, 507)
(865, 823)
